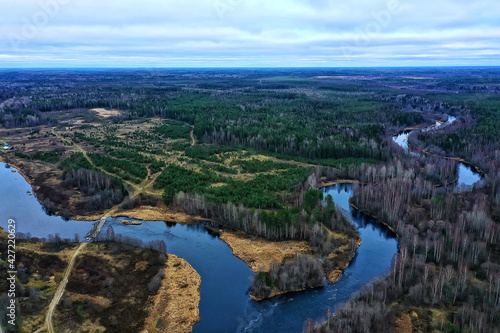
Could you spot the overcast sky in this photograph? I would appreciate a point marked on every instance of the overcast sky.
(249, 33)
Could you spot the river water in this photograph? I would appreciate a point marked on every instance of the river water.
(467, 176)
(225, 305)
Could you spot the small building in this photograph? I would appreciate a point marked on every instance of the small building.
(4, 146)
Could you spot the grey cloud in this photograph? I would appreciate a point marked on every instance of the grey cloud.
(248, 32)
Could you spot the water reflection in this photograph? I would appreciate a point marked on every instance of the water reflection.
(225, 305)
(30, 216)
(373, 260)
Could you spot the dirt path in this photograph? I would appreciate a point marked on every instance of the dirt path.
(191, 134)
(84, 152)
(148, 187)
(60, 290)
(62, 286)
(144, 184)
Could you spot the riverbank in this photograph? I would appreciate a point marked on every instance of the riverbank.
(342, 257)
(425, 151)
(21, 169)
(175, 309)
(40, 268)
(475, 167)
(259, 254)
(90, 304)
(51, 191)
(159, 213)
(326, 183)
(209, 251)
(374, 217)
(118, 287)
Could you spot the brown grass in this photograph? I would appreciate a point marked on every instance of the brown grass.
(175, 308)
(325, 183)
(148, 213)
(259, 253)
(126, 303)
(403, 324)
(44, 270)
(127, 222)
(342, 258)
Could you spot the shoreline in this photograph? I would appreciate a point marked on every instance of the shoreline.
(259, 253)
(475, 167)
(149, 213)
(145, 213)
(180, 286)
(374, 217)
(336, 274)
(255, 253)
(284, 292)
(333, 277)
(414, 128)
(175, 307)
(458, 159)
(325, 183)
(21, 171)
(423, 150)
(34, 188)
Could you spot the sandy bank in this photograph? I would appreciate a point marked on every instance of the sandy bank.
(259, 254)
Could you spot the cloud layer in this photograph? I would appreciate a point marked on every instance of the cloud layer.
(248, 33)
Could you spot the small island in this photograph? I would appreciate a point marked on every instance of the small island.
(128, 222)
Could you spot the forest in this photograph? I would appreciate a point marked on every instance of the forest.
(250, 148)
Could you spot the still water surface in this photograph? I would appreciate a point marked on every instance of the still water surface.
(225, 305)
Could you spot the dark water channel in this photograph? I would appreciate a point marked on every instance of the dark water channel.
(225, 305)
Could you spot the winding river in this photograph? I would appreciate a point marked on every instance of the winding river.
(225, 305)
(467, 176)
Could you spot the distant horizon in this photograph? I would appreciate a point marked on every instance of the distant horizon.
(251, 67)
